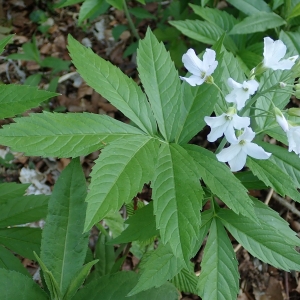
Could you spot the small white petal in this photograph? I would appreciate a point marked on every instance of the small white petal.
(209, 58)
(216, 133)
(237, 163)
(229, 153)
(193, 80)
(247, 135)
(215, 121)
(233, 84)
(192, 62)
(274, 51)
(252, 86)
(285, 64)
(256, 151)
(281, 120)
(230, 134)
(240, 122)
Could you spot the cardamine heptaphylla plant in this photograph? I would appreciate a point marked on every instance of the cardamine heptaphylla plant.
(155, 149)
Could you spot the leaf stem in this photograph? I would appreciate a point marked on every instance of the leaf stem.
(130, 22)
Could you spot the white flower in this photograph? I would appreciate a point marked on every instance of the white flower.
(225, 124)
(274, 51)
(241, 91)
(236, 153)
(200, 69)
(293, 135)
(281, 120)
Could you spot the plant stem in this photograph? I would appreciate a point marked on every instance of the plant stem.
(130, 22)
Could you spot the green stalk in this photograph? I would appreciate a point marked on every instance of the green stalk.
(130, 22)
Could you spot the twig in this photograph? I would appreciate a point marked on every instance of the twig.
(286, 204)
(269, 196)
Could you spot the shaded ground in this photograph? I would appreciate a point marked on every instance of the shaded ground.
(258, 280)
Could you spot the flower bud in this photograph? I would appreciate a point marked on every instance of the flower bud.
(297, 94)
(281, 120)
(282, 84)
(297, 86)
(294, 111)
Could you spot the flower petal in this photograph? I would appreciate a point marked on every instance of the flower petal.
(252, 86)
(215, 121)
(247, 135)
(285, 64)
(274, 51)
(209, 59)
(230, 134)
(233, 84)
(229, 153)
(192, 62)
(256, 151)
(237, 163)
(240, 122)
(193, 80)
(215, 133)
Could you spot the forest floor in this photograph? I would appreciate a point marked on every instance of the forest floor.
(258, 280)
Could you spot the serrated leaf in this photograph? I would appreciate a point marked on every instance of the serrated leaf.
(89, 8)
(115, 223)
(203, 31)
(251, 59)
(266, 101)
(64, 246)
(6, 40)
(142, 219)
(219, 277)
(250, 7)
(218, 17)
(117, 286)
(262, 241)
(23, 210)
(112, 84)
(160, 266)
(11, 190)
(78, 280)
(250, 181)
(15, 99)
(222, 182)
(177, 196)
(258, 23)
(22, 240)
(268, 216)
(33, 80)
(119, 174)
(290, 39)
(141, 13)
(63, 135)
(118, 4)
(14, 285)
(10, 262)
(161, 82)
(286, 161)
(272, 175)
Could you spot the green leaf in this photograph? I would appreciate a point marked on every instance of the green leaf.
(119, 174)
(105, 254)
(222, 182)
(270, 217)
(15, 99)
(64, 246)
(262, 241)
(9, 261)
(177, 196)
(6, 40)
(33, 80)
(117, 285)
(23, 210)
(295, 12)
(272, 175)
(250, 7)
(115, 223)
(159, 267)
(142, 219)
(78, 280)
(64, 135)
(50, 281)
(11, 190)
(118, 4)
(290, 39)
(286, 161)
(258, 23)
(219, 277)
(113, 85)
(218, 17)
(55, 63)
(249, 181)
(14, 285)
(141, 13)
(89, 8)
(65, 3)
(268, 80)
(251, 59)
(22, 240)
(161, 82)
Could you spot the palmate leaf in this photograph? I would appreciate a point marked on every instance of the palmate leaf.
(219, 277)
(64, 246)
(177, 196)
(161, 82)
(15, 99)
(63, 135)
(119, 174)
(14, 285)
(218, 177)
(272, 175)
(112, 84)
(262, 241)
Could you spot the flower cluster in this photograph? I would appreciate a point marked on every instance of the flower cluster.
(235, 128)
